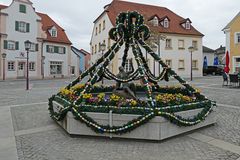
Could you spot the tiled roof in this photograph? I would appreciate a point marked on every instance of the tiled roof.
(208, 50)
(3, 6)
(148, 11)
(81, 51)
(48, 23)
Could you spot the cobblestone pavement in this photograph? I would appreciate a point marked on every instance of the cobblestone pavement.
(55, 144)
(227, 127)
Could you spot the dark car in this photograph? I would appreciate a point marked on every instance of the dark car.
(213, 70)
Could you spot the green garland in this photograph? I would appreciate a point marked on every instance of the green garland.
(131, 30)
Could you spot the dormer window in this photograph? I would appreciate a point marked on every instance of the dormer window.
(155, 21)
(53, 32)
(188, 25)
(165, 23)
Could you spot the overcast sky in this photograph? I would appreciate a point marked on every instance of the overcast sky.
(77, 16)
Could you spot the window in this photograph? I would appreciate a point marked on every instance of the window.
(100, 28)
(169, 63)
(237, 64)
(104, 25)
(73, 70)
(56, 49)
(34, 47)
(168, 43)
(92, 50)
(95, 49)
(166, 23)
(11, 45)
(53, 32)
(11, 66)
(104, 42)
(99, 47)
(109, 43)
(180, 44)
(188, 25)
(237, 38)
(32, 66)
(181, 65)
(61, 50)
(55, 68)
(22, 26)
(50, 49)
(195, 65)
(22, 8)
(195, 45)
(155, 21)
(96, 30)
(127, 66)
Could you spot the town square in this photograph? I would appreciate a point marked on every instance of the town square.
(147, 81)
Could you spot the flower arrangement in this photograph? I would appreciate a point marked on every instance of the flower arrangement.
(133, 103)
(168, 99)
(87, 96)
(101, 97)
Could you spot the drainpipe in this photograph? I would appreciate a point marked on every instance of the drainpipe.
(42, 62)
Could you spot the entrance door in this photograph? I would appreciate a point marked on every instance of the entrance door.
(21, 69)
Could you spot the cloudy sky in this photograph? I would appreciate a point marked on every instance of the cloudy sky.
(77, 16)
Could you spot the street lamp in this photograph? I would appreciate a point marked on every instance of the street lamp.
(191, 50)
(154, 48)
(102, 48)
(27, 48)
(4, 55)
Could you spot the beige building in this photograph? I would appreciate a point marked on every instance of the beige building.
(178, 32)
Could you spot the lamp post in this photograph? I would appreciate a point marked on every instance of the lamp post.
(102, 48)
(4, 55)
(27, 48)
(191, 50)
(154, 48)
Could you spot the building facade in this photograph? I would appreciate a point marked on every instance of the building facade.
(178, 32)
(50, 53)
(209, 54)
(232, 33)
(84, 58)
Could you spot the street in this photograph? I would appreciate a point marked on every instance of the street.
(28, 133)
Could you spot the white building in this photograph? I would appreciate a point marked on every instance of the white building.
(179, 33)
(50, 55)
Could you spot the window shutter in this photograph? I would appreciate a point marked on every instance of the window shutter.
(55, 49)
(22, 8)
(47, 48)
(28, 27)
(36, 47)
(16, 26)
(17, 45)
(5, 44)
(64, 50)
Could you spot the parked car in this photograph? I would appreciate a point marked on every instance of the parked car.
(213, 70)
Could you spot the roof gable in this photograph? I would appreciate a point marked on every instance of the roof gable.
(148, 11)
(49, 23)
(231, 22)
(3, 6)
